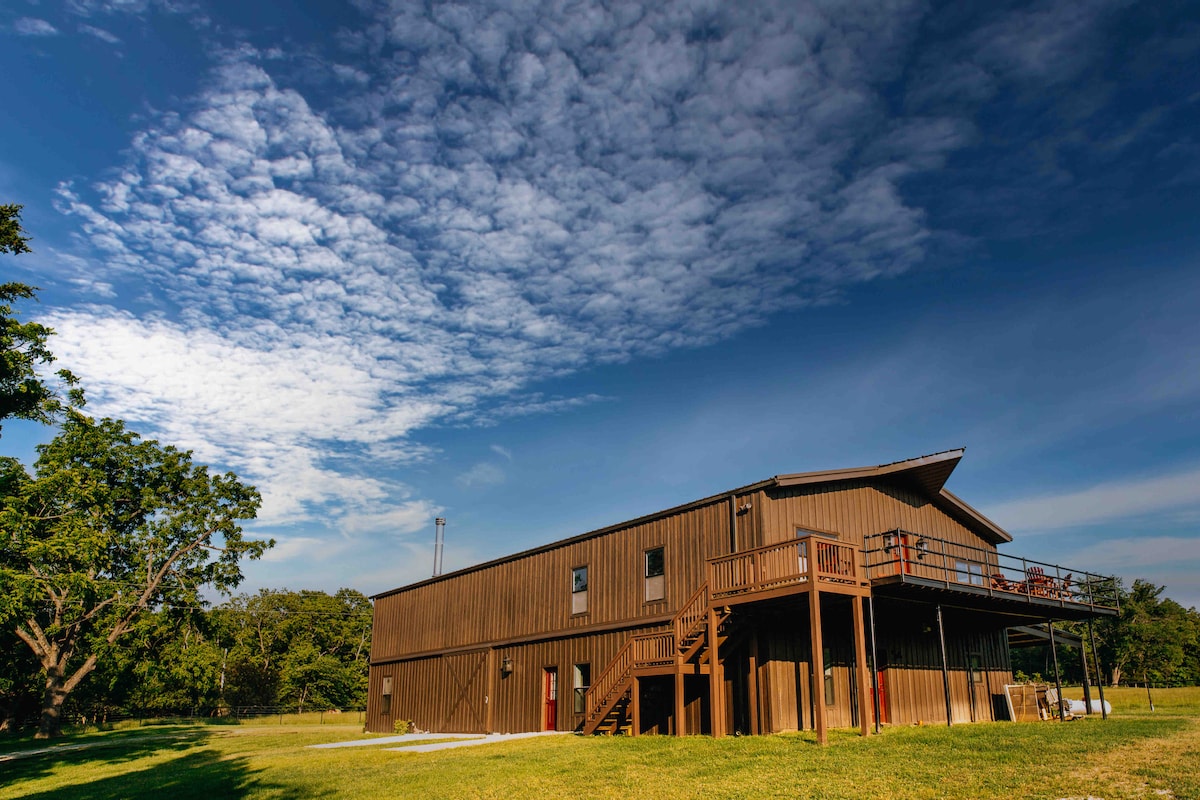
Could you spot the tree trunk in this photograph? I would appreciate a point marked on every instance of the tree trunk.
(50, 724)
(58, 686)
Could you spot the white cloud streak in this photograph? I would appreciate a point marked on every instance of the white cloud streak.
(1106, 502)
(32, 26)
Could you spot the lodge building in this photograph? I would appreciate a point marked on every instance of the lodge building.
(841, 598)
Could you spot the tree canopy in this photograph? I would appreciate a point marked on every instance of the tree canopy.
(24, 393)
(107, 527)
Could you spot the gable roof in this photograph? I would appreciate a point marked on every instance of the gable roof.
(925, 475)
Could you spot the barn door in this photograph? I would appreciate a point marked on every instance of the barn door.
(466, 682)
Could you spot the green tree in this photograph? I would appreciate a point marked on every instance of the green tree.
(307, 649)
(24, 394)
(108, 527)
(1154, 638)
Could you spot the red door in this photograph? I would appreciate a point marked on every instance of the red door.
(883, 709)
(550, 692)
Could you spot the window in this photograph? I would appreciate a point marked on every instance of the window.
(385, 706)
(828, 677)
(969, 572)
(583, 680)
(975, 666)
(579, 590)
(655, 569)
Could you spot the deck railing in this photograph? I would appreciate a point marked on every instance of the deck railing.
(654, 649)
(901, 553)
(779, 566)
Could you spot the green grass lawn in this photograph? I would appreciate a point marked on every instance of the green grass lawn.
(1135, 754)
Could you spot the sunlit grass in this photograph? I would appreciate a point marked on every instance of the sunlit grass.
(1133, 755)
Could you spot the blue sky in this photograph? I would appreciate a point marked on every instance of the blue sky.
(544, 267)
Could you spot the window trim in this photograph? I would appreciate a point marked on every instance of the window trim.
(587, 581)
(646, 577)
(579, 692)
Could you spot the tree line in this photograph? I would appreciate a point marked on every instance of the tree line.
(303, 650)
(1154, 640)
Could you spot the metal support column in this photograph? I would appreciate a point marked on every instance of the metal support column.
(1062, 709)
(945, 667)
(1099, 671)
(874, 662)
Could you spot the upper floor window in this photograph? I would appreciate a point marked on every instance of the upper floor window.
(654, 563)
(579, 590)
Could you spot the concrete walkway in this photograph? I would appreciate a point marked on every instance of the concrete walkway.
(460, 740)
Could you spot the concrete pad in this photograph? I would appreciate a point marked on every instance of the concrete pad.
(404, 737)
(491, 738)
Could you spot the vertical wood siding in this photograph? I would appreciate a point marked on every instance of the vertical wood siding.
(478, 614)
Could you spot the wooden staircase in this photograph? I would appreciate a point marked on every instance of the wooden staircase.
(609, 695)
(803, 564)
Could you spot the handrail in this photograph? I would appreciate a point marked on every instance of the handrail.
(617, 670)
(904, 552)
(692, 617)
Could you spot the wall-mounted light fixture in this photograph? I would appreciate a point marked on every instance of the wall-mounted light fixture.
(506, 666)
(922, 548)
(889, 542)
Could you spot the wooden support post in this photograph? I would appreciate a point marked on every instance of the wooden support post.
(635, 707)
(1062, 709)
(680, 725)
(1099, 672)
(945, 667)
(818, 661)
(716, 704)
(752, 688)
(860, 667)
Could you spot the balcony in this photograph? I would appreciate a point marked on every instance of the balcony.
(787, 568)
(905, 557)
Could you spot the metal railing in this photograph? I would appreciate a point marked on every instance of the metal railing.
(901, 552)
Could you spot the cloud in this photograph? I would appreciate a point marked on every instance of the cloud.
(1127, 554)
(31, 26)
(280, 416)
(479, 475)
(100, 34)
(503, 451)
(1106, 502)
(334, 255)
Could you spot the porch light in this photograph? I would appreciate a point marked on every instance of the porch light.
(922, 548)
(889, 542)
(506, 666)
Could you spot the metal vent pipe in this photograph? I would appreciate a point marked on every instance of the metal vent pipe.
(440, 522)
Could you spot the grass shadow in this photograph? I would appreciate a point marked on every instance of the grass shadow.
(196, 775)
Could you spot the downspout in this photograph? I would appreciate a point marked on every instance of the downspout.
(732, 523)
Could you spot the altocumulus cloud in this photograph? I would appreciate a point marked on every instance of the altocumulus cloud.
(493, 195)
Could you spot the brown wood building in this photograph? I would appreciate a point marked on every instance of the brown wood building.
(799, 602)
